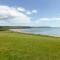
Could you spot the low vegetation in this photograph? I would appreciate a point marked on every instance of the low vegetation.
(19, 46)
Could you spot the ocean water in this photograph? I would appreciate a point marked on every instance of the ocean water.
(45, 31)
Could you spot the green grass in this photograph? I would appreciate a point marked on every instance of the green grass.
(20, 46)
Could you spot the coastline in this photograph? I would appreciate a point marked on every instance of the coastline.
(20, 31)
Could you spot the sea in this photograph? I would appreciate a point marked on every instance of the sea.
(52, 31)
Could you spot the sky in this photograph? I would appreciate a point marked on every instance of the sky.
(30, 13)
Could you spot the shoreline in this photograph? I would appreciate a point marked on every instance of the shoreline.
(16, 30)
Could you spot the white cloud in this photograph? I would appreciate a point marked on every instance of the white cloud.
(21, 9)
(16, 16)
(28, 13)
(44, 18)
(34, 11)
(13, 16)
(55, 18)
(54, 22)
(31, 12)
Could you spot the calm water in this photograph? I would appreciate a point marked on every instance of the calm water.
(45, 31)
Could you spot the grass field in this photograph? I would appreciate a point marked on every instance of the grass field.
(20, 46)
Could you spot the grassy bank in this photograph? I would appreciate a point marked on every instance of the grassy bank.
(19, 46)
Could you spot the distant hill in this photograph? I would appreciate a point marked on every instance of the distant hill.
(22, 27)
(14, 27)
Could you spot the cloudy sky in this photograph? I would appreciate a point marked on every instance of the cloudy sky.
(30, 13)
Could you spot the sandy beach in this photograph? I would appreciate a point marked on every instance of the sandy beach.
(21, 31)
